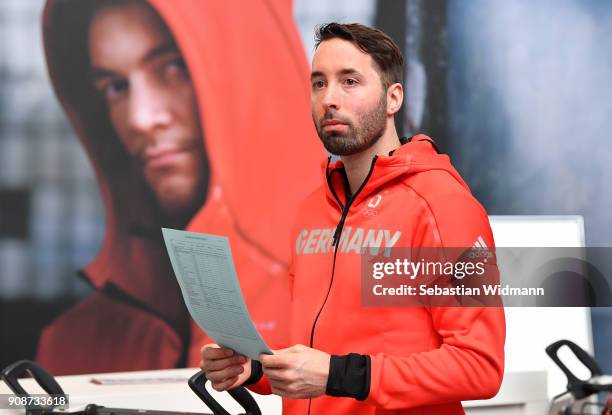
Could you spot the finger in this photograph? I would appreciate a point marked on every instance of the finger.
(222, 375)
(264, 356)
(224, 385)
(207, 346)
(274, 361)
(213, 353)
(219, 364)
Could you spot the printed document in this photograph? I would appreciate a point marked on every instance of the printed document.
(205, 270)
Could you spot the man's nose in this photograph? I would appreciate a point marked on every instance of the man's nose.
(149, 109)
(331, 97)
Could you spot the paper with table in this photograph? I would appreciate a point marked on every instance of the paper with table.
(205, 270)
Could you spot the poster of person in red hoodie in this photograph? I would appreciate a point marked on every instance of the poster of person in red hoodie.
(184, 128)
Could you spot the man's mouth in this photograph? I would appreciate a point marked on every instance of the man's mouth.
(162, 158)
(333, 124)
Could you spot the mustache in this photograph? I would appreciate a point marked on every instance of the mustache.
(333, 115)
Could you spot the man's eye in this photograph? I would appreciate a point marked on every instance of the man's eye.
(350, 81)
(113, 89)
(318, 84)
(175, 67)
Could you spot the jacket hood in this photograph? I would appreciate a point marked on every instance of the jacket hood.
(416, 155)
(249, 72)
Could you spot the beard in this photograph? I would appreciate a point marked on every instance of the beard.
(371, 125)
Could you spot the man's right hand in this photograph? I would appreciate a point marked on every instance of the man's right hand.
(225, 368)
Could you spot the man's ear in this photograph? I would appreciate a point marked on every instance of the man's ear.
(395, 97)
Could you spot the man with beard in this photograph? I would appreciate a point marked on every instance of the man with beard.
(384, 192)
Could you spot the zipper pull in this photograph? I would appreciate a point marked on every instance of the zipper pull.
(338, 230)
(336, 234)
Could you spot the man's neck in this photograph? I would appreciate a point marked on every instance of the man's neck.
(358, 165)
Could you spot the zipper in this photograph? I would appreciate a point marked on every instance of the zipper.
(336, 241)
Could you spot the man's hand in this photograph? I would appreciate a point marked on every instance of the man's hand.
(225, 368)
(297, 372)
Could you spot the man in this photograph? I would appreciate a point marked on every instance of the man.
(347, 358)
(184, 130)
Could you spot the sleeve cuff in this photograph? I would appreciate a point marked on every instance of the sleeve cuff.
(349, 376)
(256, 373)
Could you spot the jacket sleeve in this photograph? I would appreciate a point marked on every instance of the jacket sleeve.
(469, 363)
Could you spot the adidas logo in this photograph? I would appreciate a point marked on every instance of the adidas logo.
(480, 249)
(480, 243)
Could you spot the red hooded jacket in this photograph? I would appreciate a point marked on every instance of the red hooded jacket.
(254, 112)
(419, 360)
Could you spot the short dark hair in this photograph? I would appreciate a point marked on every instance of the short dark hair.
(372, 41)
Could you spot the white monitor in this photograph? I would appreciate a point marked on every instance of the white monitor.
(529, 329)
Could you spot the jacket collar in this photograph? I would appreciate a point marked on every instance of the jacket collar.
(415, 155)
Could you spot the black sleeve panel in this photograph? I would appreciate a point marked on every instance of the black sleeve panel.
(349, 376)
(256, 373)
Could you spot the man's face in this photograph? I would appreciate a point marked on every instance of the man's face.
(152, 104)
(348, 102)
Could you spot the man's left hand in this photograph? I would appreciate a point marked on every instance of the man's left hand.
(297, 372)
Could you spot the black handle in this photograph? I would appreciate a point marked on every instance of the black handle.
(197, 383)
(578, 387)
(11, 374)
